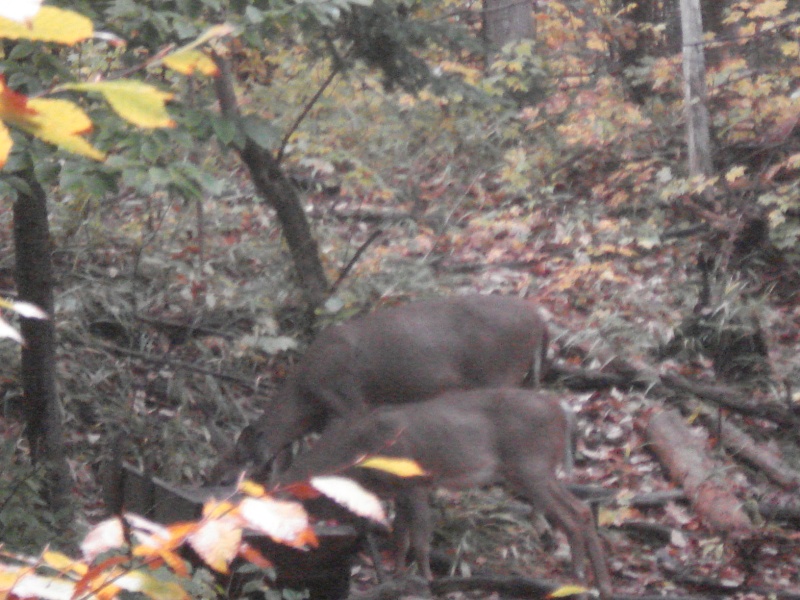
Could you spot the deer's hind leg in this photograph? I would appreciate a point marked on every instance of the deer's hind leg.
(413, 528)
(540, 486)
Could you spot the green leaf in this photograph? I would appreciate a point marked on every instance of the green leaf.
(262, 132)
(225, 129)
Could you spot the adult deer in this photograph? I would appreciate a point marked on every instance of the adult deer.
(462, 439)
(396, 355)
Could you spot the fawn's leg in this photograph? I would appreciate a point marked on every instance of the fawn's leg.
(540, 486)
(413, 527)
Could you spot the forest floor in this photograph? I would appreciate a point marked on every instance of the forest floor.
(174, 329)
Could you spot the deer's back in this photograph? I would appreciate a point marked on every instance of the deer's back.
(417, 351)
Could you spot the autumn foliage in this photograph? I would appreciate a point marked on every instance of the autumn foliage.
(128, 552)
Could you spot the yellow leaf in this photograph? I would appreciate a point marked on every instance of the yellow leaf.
(769, 9)
(5, 145)
(567, 590)
(50, 24)
(514, 66)
(58, 122)
(62, 562)
(217, 31)
(214, 509)
(61, 123)
(595, 42)
(402, 467)
(139, 581)
(793, 162)
(189, 61)
(734, 173)
(136, 102)
(62, 115)
(790, 49)
(251, 488)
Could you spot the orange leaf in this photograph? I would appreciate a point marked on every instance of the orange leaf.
(13, 105)
(302, 490)
(253, 556)
(174, 562)
(98, 576)
(178, 532)
(213, 509)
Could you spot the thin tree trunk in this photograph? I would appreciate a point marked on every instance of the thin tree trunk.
(694, 71)
(34, 274)
(507, 21)
(273, 185)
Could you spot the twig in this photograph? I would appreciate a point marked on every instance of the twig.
(349, 266)
(180, 364)
(306, 109)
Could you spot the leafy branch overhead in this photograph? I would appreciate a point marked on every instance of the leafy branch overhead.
(64, 123)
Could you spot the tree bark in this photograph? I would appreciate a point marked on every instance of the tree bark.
(694, 71)
(506, 21)
(34, 275)
(685, 458)
(273, 185)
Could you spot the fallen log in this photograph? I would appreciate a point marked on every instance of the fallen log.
(742, 446)
(685, 458)
(729, 397)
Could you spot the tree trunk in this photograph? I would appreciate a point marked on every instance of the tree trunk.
(506, 21)
(273, 185)
(694, 71)
(42, 410)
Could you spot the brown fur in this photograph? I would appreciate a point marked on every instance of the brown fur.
(462, 440)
